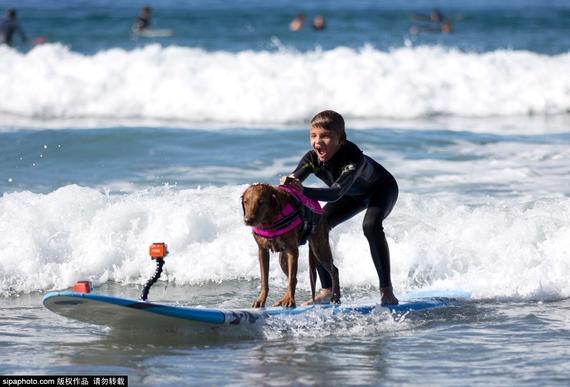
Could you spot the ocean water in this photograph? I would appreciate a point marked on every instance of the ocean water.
(109, 142)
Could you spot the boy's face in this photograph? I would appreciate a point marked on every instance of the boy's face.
(324, 142)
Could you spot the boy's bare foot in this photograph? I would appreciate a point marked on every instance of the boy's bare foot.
(324, 297)
(387, 296)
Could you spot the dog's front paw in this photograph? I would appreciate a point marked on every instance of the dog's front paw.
(286, 302)
(259, 303)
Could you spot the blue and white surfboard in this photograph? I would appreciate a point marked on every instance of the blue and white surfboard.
(118, 312)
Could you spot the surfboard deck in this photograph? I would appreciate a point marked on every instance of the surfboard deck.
(116, 312)
(154, 33)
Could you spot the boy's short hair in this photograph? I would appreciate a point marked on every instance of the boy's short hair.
(330, 120)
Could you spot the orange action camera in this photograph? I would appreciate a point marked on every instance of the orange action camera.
(158, 250)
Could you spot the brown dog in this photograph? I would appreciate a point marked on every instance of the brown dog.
(262, 205)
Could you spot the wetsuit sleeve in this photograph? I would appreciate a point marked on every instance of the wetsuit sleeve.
(341, 186)
(304, 168)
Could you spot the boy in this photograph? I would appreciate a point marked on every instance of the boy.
(355, 183)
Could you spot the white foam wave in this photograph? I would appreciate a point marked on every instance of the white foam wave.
(51, 82)
(498, 249)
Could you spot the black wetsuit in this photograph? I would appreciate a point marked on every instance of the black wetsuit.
(141, 23)
(7, 30)
(356, 182)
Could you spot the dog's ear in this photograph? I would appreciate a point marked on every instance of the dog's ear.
(279, 200)
(241, 198)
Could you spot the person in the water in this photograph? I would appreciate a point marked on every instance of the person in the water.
(437, 22)
(297, 23)
(355, 183)
(142, 21)
(9, 26)
(319, 23)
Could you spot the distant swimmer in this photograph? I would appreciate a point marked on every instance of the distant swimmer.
(436, 23)
(9, 26)
(319, 23)
(141, 27)
(297, 23)
(142, 21)
(435, 16)
(446, 27)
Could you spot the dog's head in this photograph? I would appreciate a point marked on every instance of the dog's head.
(260, 203)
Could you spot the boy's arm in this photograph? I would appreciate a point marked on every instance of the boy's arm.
(304, 168)
(331, 194)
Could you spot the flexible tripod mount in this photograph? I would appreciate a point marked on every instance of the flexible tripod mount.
(158, 251)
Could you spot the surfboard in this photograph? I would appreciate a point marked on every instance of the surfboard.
(154, 33)
(116, 312)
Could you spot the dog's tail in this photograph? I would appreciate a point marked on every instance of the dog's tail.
(312, 273)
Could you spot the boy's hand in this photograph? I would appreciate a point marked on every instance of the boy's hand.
(292, 182)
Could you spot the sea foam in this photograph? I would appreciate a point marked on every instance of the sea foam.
(503, 248)
(51, 82)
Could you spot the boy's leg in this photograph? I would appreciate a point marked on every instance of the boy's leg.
(336, 213)
(379, 208)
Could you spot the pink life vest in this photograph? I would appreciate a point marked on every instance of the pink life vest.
(303, 211)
